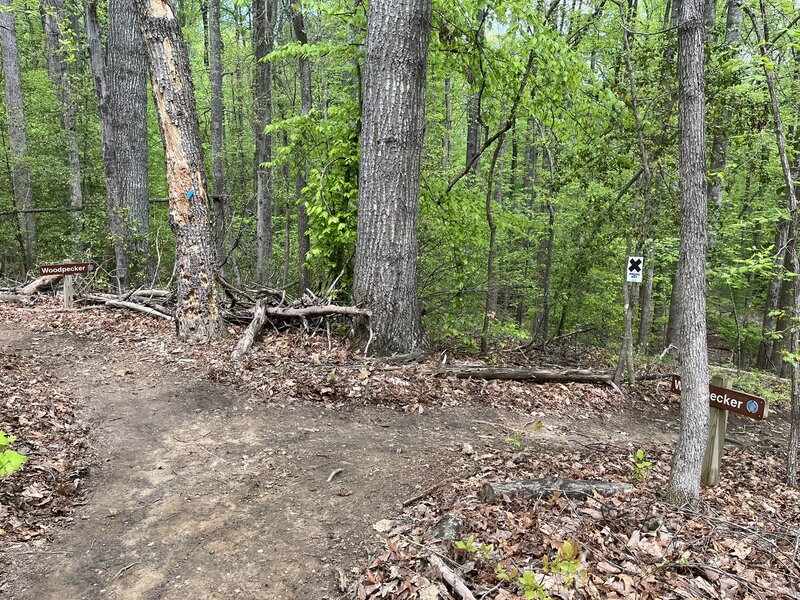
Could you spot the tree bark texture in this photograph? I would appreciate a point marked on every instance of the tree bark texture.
(219, 199)
(684, 484)
(127, 87)
(17, 136)
(393, 132)
(197, 314)
(53, 22)
(263, 44)
(304, 66)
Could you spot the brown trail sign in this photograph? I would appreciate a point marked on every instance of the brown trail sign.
(68, 270)
(723, 400)
(731, 400)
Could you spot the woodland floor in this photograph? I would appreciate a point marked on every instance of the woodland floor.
(161, 471)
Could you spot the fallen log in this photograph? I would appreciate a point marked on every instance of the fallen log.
(528, 489)
(522, 374)
(318, 311)
(446, 573)
(37, 284)
(16, 298)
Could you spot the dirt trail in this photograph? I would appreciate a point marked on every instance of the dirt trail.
(198, 490)
(202, 492)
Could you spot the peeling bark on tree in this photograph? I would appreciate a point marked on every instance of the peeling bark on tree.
(17, 136)
(197, 314)
(393, 131)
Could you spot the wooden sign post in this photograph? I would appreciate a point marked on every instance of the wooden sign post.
(723, 400)
(68, 270)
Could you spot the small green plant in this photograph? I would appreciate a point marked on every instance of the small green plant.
(515, 441)
(470, 547)
(10, 460)
(640, 464)
(566, 565)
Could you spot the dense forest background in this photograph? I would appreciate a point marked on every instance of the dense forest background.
(551, 154)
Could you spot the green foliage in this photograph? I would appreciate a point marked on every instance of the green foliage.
(471, 547)
(567, 567)
(641, 465)
(10, 460)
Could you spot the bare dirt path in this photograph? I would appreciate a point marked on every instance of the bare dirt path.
(200, 490)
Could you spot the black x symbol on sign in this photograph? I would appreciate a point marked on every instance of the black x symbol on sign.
(635, 265)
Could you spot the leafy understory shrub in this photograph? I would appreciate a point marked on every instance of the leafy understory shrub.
(10, 460)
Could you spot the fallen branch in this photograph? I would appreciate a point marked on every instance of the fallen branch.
(528, 489)
(446, 573)
(249, 336)
(521, 374)
(114, 303)
(262, 309)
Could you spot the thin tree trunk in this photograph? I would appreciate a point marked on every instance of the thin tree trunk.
(544, 260)
(303, 246)
(684, 483)
(473, 132)
(127, 96)
(197, 314)
(219, 197)
(393, 133)
(17, 136)
(719, 145)
(54, 23)
(447, 139)
(490, 311)
(108, 141)
(791, 201)
(263, 43)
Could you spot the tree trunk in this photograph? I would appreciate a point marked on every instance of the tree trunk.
(719, 145)
(263, 43)
(473, 132)
(17, 136)
(127, 88)
(791, 201)
(219, 198)
(447, 139)
(684, 483)
(53, 22)
(303, 246)
(197, 314)
(393, 133)
(490, 311)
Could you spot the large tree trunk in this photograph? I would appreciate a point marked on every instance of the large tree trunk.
(17, 136)
(684, 484)
(53, 22)
(263, 43)
(122, 103)
(197, 314)
(299, 26)
(219, 199)
(393, 132)
(127, 86)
